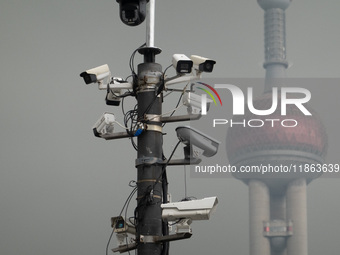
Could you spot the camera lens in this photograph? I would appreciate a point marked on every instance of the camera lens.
(132, 12)
(208, 67)
(120, 224)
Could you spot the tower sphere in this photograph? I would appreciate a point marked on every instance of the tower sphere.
(271, 4)
(278, 145)
(308, 136)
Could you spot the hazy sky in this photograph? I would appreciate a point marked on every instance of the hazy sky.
(59, 185)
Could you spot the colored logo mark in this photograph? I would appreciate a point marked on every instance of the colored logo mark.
(209, 93)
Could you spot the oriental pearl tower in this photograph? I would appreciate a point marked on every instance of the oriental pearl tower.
(277, 200)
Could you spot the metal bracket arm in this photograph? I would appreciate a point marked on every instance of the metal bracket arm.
(187, 117)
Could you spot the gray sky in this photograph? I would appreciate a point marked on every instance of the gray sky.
(60, 185)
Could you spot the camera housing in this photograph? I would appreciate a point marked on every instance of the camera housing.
(182, 63)
(199, 209)
(121, 226)
(192, 137)
(132, 12)
(125, 233)
(104, 126)
(97, 74)
(113, 97)
(203, 64)
(194, 102)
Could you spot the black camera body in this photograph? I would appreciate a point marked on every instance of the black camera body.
(132, 12)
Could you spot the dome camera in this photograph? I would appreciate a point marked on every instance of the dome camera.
(132, 12)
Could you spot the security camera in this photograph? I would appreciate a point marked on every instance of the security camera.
(203, 64)
(182, 63)
(183, 226)
(121, 226)
(192, 137)
(200, 209)
(113, 97)
(132, 12)
(104, 126)
(97, 74)
(125, 233)
(195, 102)
(115, 84)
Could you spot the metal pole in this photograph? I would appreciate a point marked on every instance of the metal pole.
(149, 176)
(150, 26)
(149, 223)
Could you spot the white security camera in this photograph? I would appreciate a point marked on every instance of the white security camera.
(190, 136)
(200, 209)
(104, 126)
(97, 74)
(113, 97)
(121, 226)
(115, 83)
(203, 64)
(183, 226)
(182, 63)
(194, 102)
(125, 232)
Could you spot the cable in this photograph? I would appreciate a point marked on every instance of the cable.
(119, 124)
(149, 106)
(165, 225)
(134, 144)
(128, 77)
(108, 242)
(179, 100)
(166, 164)
(133, 185)
(166, 69)
(133, 223)
(185, 182)
(159, 91)
(131, 117)
(172, 111)
(174, 223)
(161, 86)
(131, 62)
(127, 201)
(132, 68)
(126, 209)
(147, 198)
(131, 122)
(168, 94)
(144, 199)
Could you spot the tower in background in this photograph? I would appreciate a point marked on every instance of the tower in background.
(277, 201)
